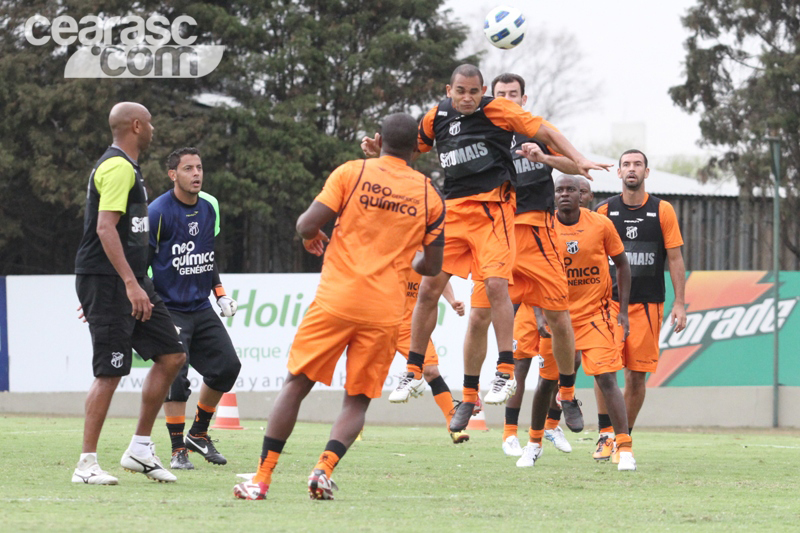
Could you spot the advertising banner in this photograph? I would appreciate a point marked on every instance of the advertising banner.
(727, 341)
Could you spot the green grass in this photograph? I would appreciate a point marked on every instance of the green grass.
(407, 479)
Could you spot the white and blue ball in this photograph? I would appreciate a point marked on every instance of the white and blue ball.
(505, 27)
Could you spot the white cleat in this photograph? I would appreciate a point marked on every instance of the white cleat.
(559, 440)
(320, 487)
(407, 388)
(90, 473)
(626, 461)
(149, 466)
(530, 453)
(502, 388)
(511, 446)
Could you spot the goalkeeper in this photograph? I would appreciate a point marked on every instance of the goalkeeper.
(184, 223)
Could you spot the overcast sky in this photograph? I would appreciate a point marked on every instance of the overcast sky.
(634, 48)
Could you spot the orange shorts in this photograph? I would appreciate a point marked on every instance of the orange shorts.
(322, 338)
(640, 350)
(597, 341)
(479, 239)
(526, 333)
(479, 298)
(540, 278)
(404, 345)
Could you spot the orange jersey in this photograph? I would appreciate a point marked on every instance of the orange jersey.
(474, 149)
(387, 211)
(585, 247)
(412, 290)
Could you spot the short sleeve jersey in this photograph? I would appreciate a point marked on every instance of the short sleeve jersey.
(586, 247)
(387, 211)
(115, 184)
(647, 231)
(474, 149)
(182, 237)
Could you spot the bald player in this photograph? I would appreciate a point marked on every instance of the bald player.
(119, 300)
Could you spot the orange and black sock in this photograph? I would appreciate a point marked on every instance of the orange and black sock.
(414, 364)
(566, 387)
(553, 418)
(271, 451)
(505, 363)
(511, 423)
(624, 442)
(604, 423)
(442, 397)
(535, 435)
(334, 451)
(175, 426)
(471, 388)
(202, 418)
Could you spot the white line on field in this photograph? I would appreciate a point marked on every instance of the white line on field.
(771, 446)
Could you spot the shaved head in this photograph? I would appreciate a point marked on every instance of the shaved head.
(130, 126)
(123, 114)
(399, 132)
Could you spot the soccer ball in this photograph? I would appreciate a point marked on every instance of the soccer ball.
(505, 27)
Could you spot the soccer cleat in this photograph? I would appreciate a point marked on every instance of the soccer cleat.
(511, 446)
(149, 466)
(556, 436)
(461, 415)
(407, 388)
(251, 491)
(605, 447)
(90, 473)
(573, 416)
(205, 447)
(319, 486)
(180, 460)
(502, 388)
(459, 437)
(626, 461)
(530, 453)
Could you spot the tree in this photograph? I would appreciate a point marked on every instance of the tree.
(743, 79)
(309, 78)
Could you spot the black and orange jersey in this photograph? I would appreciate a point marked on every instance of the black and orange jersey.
(647, 231)
(474, 150)
(534, 184)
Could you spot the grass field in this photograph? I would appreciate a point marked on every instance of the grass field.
(408, 479)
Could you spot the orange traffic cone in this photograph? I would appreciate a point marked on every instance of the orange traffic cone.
(227, 413)
(477, 422)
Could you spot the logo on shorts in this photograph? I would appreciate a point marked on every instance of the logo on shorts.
(116, 359)
(514, 346)
(194, 228)
(455, 127)
(572, 247)
(631, 232)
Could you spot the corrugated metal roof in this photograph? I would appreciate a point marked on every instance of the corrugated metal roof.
(659, 182)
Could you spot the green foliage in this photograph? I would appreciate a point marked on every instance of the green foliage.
(308, 79)
(743, 78)
(398, 478)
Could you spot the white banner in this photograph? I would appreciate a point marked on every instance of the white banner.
(50, 350)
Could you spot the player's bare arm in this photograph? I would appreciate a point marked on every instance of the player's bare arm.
(107, 232)
(449, 295)
(624, 284)
(309, 227)
(541, 323)
(554, 138)
(428, 262)
(677, 273)
(558, 162)
(371, 146)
